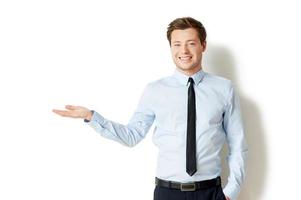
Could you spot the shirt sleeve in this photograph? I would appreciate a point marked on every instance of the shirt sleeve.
(233, 127)
(131, 133)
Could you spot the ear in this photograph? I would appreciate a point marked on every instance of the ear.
(204, 44)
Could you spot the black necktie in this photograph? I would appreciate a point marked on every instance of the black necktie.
(190, 144)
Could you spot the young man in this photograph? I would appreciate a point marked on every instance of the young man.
(195, 114)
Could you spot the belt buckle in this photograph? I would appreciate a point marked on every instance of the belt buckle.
(187, 187)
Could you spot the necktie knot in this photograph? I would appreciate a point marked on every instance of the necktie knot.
(190, 80)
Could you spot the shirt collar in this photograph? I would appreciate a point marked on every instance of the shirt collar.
(183, 78)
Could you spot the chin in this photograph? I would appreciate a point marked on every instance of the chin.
(186, 68)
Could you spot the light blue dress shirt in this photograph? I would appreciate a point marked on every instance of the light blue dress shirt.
(218, 120)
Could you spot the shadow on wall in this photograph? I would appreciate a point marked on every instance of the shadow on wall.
(218, 60)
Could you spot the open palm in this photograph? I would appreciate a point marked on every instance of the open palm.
(74, 112)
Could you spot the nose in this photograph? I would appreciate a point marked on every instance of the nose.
(184, 49)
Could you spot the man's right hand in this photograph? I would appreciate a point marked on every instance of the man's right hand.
(75, 112)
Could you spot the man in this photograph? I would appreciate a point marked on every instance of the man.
(195, 114)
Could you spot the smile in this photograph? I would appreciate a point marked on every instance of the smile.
(185, 58)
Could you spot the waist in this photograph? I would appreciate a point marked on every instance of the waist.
(190, 186)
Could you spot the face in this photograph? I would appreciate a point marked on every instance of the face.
(187, 50)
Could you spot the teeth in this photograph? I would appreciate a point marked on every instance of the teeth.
(185, 58)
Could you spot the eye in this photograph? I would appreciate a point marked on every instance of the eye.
(192, 43)
(176, 45)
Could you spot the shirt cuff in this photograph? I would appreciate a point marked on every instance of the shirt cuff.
(97, 121)
(85, 120)
(231, 191)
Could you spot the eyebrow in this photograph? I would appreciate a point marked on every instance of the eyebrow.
(191, 40)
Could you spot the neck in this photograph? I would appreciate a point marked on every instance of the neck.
(191, 71)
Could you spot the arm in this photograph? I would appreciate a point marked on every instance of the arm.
(129, 134)
(233, 127)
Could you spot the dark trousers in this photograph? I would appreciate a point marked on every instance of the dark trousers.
(214, 193)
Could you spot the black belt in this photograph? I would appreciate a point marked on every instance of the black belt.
(191, 186)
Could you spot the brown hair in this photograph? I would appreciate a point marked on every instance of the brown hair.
(184, 23)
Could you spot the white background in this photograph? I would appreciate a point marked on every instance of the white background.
(101, 55)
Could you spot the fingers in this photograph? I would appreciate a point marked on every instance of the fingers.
(70, 107)
(60, 112)
(63, 113)
(72, 111)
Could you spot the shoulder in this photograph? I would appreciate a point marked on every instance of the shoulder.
(219, 85)
(163, 81)
(217, 82)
